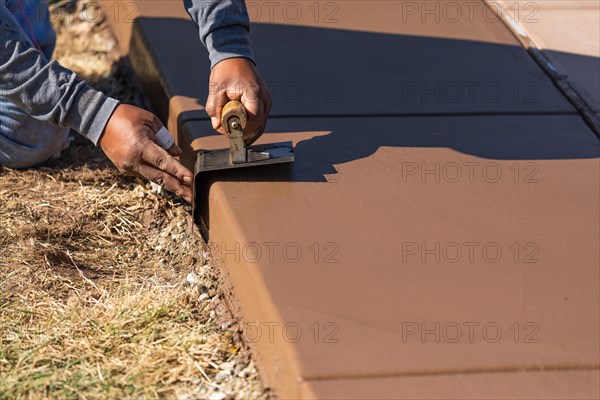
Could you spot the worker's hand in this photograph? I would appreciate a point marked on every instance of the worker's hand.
(128, 141)
(238, 79)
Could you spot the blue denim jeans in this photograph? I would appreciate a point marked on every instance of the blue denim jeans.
(26, 141)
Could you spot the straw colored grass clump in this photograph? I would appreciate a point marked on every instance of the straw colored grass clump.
(101, 292)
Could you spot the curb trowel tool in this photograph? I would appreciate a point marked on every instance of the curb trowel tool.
(233, 120)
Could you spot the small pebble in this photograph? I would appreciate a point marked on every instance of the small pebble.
(238, 369)
(155, 188)
(191, 278)
(226, 366)
(222, 375)
(204, 297)
(217, 396)
(227, 324)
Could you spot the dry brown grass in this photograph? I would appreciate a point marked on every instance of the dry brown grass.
(105, 288)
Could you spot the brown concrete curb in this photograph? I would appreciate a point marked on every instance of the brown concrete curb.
(365, 186)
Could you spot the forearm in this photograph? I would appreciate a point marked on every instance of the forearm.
(44, 89)
(224, 28)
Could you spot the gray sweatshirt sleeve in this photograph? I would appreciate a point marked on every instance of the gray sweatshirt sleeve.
(224, 28)
(46, 90)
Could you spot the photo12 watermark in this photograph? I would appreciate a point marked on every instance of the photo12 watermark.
(469, 92)
(275, 252)
(469, 252)
(290, 332)
(113, 11)
(294, 12)
(519, 172)
(469, 11)
(469, 332)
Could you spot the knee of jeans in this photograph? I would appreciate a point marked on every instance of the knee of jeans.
(51, 141)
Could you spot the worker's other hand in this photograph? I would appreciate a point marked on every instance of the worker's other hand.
(238, 79)
(128, 141)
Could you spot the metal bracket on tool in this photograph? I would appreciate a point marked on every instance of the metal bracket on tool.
(233, 120)
(236, 141)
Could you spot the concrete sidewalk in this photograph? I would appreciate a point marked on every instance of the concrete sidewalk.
(438, 234)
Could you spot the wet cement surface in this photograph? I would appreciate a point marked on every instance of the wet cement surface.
(420, 245)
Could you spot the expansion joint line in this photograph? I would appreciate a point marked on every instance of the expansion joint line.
(461, 371)
(560, 81)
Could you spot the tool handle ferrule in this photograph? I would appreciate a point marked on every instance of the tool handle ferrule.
(233, 109)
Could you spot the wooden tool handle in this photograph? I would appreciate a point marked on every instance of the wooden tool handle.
(233, 109)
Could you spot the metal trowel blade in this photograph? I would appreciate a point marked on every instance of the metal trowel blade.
(262, 154)
(214, 160)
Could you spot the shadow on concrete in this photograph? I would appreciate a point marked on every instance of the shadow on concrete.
(315, 71)
(373, 75)
(325, 79)
(493, 138)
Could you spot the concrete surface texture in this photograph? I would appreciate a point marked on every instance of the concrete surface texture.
(568, 32)
(438, 234)
(367, 238)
